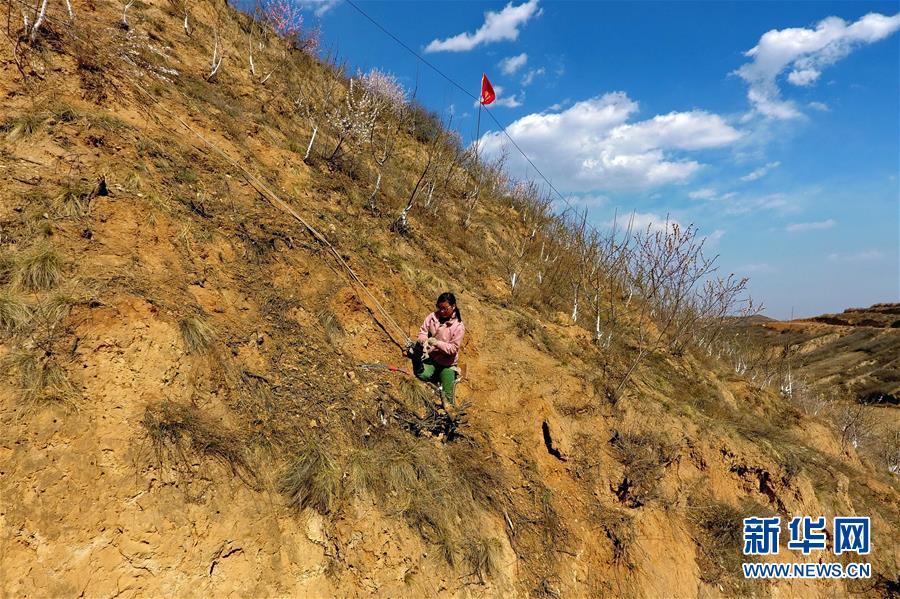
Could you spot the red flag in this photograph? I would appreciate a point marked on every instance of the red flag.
(487, 91)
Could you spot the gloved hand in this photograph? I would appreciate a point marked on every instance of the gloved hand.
(430, 344)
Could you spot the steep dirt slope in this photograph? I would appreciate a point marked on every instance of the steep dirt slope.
(174, 344)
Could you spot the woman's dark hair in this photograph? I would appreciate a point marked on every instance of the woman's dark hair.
(450, 299)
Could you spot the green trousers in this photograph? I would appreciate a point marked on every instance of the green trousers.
(426, 370)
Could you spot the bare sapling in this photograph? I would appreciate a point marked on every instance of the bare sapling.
(535, 213)
(488, 178)
(667, 267)
(218, 55)
(40, 14)
(449, 164)
(401, 223)
(124, 22)
(312, 110)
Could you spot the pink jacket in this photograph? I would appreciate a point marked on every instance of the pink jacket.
(449, 335)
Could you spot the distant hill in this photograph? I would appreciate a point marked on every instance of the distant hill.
(879, 316)
(858, 349)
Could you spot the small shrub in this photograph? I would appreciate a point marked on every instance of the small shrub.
(525, 325)
(14, 314)
(38, 269)
(645, 458)
(197, 334)
(186, 175)
(721, 543)
(313, 480)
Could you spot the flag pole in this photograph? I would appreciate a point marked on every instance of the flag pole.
(478, 131)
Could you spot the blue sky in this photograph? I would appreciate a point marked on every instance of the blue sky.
(772, 126)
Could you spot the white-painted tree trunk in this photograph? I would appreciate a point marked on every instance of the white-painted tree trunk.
(124, 13)
(575, 305)
(312, 140)
(39, 20)
(375, 191)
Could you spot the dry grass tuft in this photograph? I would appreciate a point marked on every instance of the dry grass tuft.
(38, 269)
(313, 480)
(23, 125)
(198, 335)
(334, 331)
(415, 393)
(39, 377)
(14, 314)
(74, 199)
(483, 556)
(56, 307)
(420, 482)
(7, 268)
(177, 431)
(64, 113)
(619, 529)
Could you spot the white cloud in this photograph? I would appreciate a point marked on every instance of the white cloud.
(711, 195)
(814, 226)
(775, 202)
(805, 52)
(705, 193)
(591, 145)
(513, 101)
(497, 26)
(588, 200)
(531, 75)
(641, 222)
(513, 63)
(820, 106)
(713, 239)
(759, 268)
(760, 172)
(863, 256)
(804, 78)
(319, 6)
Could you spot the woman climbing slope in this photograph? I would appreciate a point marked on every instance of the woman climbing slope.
(438, 341)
